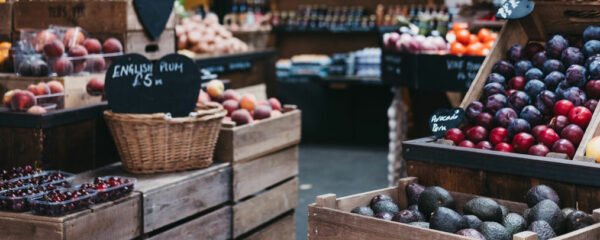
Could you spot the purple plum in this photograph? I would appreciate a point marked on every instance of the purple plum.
(539, 59)
(594, 69)
(571, 56)
(493, 88)
(518, 125)
(533, 73)
(576, 75)
(575, 95)
(534, 87)
(553, 65)
(555, 46)
(531, 115)
(590, 59)
(591, 104)
(532, 48)
(521, 67)
(545, 102)
(505, 116)
(591, 33)
(515, 53)
(473, 110)
(495, 102)
(517, 100)
(504, 68)
(591, 47)
(552, 79)
(496, 78)
(560, 89)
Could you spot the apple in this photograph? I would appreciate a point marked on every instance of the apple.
(522, 142)
(538, 150)
(517, 83)
(548, 137)
(573, 133)
(484, 145)
(498, 135)
(455, 135)
(538, 129)
(563, 107)
(503, 147)
(564, 146)
(215, 88)
(467, 144)
(580, 115)
(593, 149)
(485, 119)
(476, 134)
(22, 100)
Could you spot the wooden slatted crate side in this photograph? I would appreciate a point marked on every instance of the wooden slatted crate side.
(282, 228)
(215, 225)
(6, 17)
(120, 219)
(330, 218)
(254, 212)
(258, 174)
(246, 142)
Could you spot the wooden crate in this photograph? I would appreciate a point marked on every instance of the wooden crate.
(263, 207)
(75, 87)
(215, 225)
(281, 228)
(6, 19)
(101, 19)
(239, 143)
(330, 218)
(120, 219)
(74, 140)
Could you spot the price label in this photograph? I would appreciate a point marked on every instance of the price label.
(515, 9)
(445, 119)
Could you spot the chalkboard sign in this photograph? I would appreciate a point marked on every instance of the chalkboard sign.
(154, 15)
(453, 73)
(170, 85)
(515, 9)
(237, 66)
(445, 119)
(465, 69)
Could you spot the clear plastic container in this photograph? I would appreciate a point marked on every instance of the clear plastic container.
(17, 200)
(50, 177)
(33, 64)
(17, 172)
(44, 205)
(109, 190)
(51, 101)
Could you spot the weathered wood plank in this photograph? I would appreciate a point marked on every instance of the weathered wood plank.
(281, 229)
(215, 226)
(249, 214)
(450, 178)
(15, 228)
(253, 176)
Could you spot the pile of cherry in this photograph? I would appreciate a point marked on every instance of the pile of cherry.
(110, 188)
(539, 100)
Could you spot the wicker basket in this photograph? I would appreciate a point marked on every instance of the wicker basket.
(153, 143)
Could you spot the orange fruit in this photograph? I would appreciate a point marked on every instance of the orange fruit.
(488, 44)
(473, 39)
(493, 37)
(459, 26)
(463, 36)
(484, 34)
(457, 48)
(485, 51)
(475, 49)
(5, 45)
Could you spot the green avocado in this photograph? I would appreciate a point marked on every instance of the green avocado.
(385, 206)
(494, 231)
(365, 211)
(434, 197)
(472, 221)
(514, 223)
(542, 229)
(485, 209)
(447, 220)
(578, 220)
(548, 211)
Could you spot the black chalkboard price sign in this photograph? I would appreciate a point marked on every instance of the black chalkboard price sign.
(134, 84)
(444, 119)
(154, 15)
(515, 9)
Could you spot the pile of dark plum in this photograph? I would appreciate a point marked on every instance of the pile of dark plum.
(539, 100)
(60, 202)
(17, 200)
(110, 188)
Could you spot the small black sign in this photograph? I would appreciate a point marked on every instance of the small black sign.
(515, 9)
(154, 15)
(444, 119)
(169, 85)
(238, 66)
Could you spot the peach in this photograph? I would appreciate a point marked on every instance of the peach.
(96, 64)
(203, 97)
(22, 100)
(55, 87)
(275, 113)
(54, 49)
(92, 45)
(112, 45)
(262, 112)
(248, 102)
(37, 110)
(241, 117)
(32, 88)
(73, 37)
(42, 38)
(215, 88)
(593, 148)
(63, 66)
(7, 96)
(78, 52)
(231, 105)
(43, 89)
(275, 104)
(230, 94)
(95, 86)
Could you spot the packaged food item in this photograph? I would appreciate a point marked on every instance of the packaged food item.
(51, 177)
(17, 200)
(62, 201)
(110, 188)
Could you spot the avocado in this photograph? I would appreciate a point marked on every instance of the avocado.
(405, 216)
(420, 224)
(566, 212)
(365, 211)
(578, 220)
(447, 220)
(472, 233)
(548, 211)
(381, 198)
(505, 211)
(432, 198)
(494, 231)
(472, 221)
(415, 209)
(485, 209)
(413, 191)
(526, 214)
(385, 206)
(385, 216)
(541, 192)
(514, 223)
(542, 229)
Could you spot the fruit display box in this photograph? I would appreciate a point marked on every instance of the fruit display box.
(414, 70)
(330, 218)
(238, 143)
(73, 140)
(102, 19)
(74, 87)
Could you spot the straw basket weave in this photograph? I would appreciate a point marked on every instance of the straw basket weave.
(152, 143)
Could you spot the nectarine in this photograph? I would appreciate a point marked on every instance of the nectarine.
(37, 110)
(63, 66)
(42, 89)
(248, 102)
(95, 86)
(112, 45)
(275, 104)
(262, 112)
(241, 117)
(203, 97)
(22, 100)
(593, 149)
(231, 105)
(73, 36)
(96, 64)
(92, 45)
(55, 87)
(78, 51)
(42, 38)
(54, 49)
(215, 88)
(231, 94)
